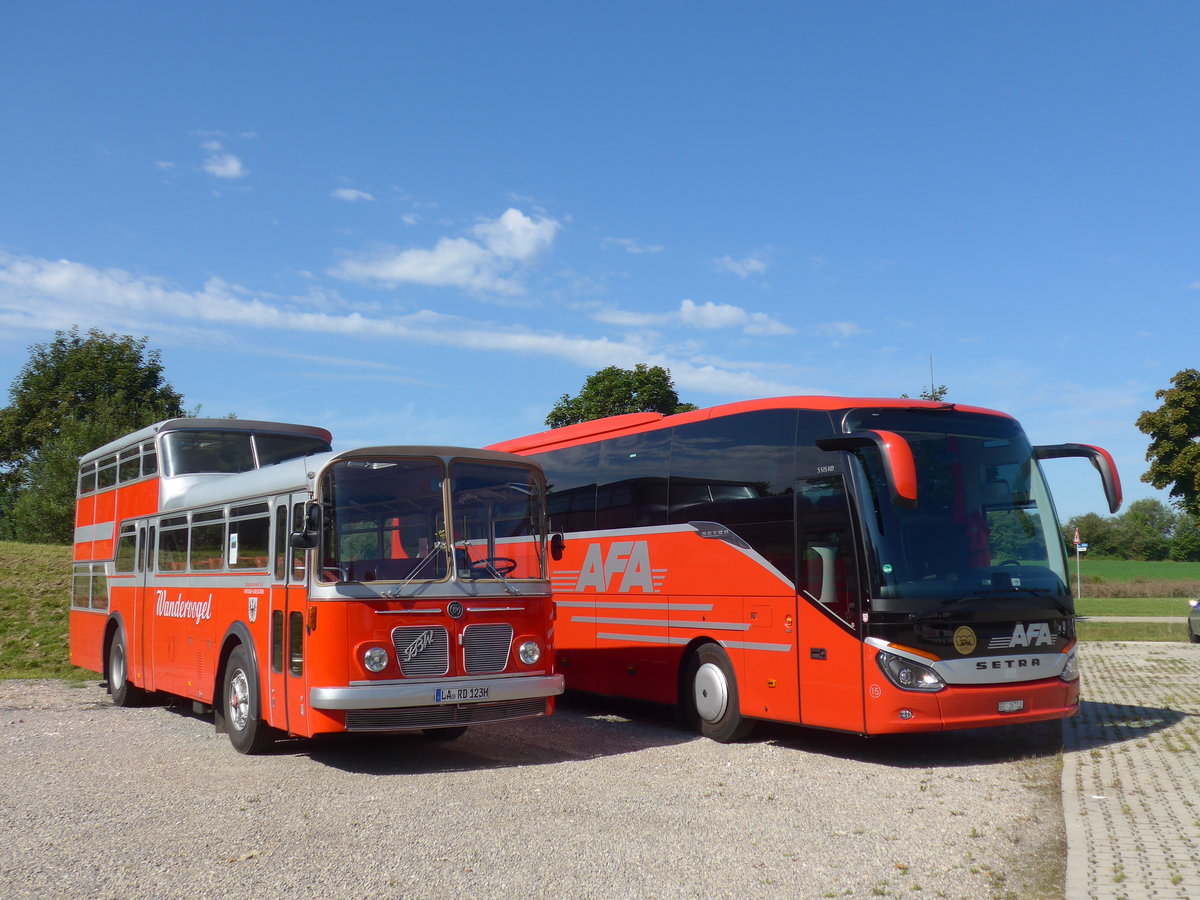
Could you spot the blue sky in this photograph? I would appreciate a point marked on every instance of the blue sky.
(423, 223)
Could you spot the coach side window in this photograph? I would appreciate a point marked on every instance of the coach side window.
(631, 491)
(571, 487)
(739, 471)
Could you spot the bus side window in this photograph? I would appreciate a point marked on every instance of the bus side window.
(277, 640)
(296, 643)
(281, 543)
(298, 556)
(826, 558)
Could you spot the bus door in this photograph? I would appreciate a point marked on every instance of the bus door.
(829, 606)
(284, 668)
(141, 671)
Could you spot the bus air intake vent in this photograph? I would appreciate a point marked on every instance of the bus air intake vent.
(421, 650)
(485, 648)
(415, 717)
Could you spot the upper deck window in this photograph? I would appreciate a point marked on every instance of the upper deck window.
(226, 452)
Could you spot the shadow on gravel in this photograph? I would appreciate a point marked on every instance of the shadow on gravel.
(1104, 724)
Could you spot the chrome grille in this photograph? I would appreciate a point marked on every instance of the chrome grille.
(485, 648)
(422, 650)
(416, 717)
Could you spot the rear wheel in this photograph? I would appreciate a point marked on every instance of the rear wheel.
(123, 692)
(242, 705)
(710, 696)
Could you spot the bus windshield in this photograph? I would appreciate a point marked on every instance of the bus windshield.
(385, 521)
(984, 527)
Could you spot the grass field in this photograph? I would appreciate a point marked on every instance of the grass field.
(35, 589)
(35, 592)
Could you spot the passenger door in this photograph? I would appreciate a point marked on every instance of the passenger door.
(284, 667)
(831, 679)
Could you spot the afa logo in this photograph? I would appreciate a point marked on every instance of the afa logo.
(1037, 634)
(625, 568)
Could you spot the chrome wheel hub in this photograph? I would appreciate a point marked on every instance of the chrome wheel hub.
(711, 692)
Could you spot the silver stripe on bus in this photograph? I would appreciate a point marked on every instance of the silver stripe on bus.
(656, 639)
(751, 645)
(629, 604)
(663, 623)
(100, 532)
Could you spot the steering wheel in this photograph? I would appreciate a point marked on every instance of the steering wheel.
(491, 565)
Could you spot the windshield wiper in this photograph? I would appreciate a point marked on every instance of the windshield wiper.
(1042, 593)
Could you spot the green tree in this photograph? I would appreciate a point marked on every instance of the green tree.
(1095, 530)
(1174, 430)
(1144, 530)
(614, 391)
(73, 395)
(931, 393)
(1185, 542)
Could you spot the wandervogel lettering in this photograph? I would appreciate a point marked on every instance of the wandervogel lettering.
(196, 610)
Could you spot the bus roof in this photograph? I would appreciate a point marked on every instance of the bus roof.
(190, 424)
(630, 423)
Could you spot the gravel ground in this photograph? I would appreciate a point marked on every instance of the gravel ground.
(604, 799)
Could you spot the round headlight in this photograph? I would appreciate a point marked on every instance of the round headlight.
(375, 659)
(530, 652)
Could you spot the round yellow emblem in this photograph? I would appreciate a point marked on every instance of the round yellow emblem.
(964, 640)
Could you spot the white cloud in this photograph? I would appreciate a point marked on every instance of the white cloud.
(841, 330)
(707, 316)
(351, 195)
(484, 262)
(629, 245)
(743, 268)
(221, 164)
(45, 295)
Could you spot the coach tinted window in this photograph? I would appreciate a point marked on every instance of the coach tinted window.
(571, 483)
(739, 471)
(632, 488)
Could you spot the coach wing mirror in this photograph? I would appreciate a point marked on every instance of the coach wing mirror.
(308, 537)
(1100, 458)
(557, 545)
(898, 465)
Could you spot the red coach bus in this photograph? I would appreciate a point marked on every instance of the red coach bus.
(248, 568)
(864, 565)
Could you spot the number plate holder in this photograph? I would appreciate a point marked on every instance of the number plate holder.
(460, 694)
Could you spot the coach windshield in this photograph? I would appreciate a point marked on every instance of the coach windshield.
(983, 528)
(498, 514)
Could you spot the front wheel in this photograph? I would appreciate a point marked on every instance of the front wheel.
(242, 705)
(124, 693)
(710, 696)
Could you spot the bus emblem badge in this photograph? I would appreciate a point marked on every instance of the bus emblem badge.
(455, 609)
(964, 640)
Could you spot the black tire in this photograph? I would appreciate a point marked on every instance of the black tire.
(242, 705)
(710, 696)
(445, 734)
(123, 691)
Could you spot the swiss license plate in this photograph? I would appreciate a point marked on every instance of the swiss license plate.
(459, 694)
(1011, 705)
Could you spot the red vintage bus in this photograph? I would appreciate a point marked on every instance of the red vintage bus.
(248, 568)
(864, 565)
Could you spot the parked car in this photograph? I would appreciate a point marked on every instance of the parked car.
(1194, 622)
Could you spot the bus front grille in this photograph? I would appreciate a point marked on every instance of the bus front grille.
(417, 717)
(485, 648)
(421, 650)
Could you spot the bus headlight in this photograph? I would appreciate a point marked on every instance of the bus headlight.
(530, 652)
(908, 675)
(375, 659)
(1070, 670)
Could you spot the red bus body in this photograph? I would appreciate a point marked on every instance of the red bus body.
(864, 565)
(247, 567)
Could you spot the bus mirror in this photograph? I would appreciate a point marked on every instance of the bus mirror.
(1100, 458)
(308, 537)
(557, 545)
(898, 465)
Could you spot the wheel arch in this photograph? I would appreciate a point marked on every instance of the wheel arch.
(238, 634)
(115, 623)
